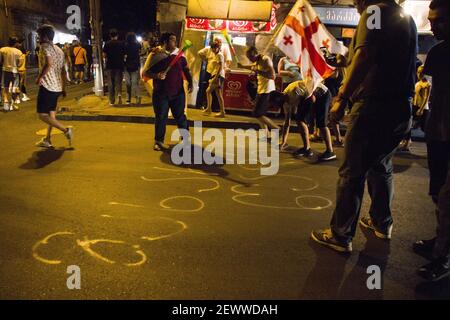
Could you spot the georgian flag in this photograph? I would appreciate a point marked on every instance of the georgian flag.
(301, 37)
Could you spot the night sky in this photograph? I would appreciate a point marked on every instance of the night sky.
(129, 15)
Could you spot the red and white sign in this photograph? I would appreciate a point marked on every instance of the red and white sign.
(232, 26)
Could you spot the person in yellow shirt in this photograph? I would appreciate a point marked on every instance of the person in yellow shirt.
(23, 75)
(80, 61)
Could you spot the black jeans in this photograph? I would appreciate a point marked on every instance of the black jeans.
(161, 105)
(115, 78)
(374, 132)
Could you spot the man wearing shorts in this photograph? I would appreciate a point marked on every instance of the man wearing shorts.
(80, 58)
(51, 82)
(11, 58)
(321, 106)
(265, 73)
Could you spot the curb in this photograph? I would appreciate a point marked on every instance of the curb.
(151, 120)
(205, 124)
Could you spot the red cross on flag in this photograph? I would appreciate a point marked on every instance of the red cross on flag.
(301, 37)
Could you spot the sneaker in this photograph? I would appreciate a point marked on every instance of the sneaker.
(367, 223)
(44, 143)
(303, 152)
(404, 150)
(17, 101)
(14, 107)
(25, 98)
(436, 270)
(326, 238)
(6, 107)
(128, 102)
(69, 135)
(338, 144)
(327, 156)
(160, 146)
(424, 248)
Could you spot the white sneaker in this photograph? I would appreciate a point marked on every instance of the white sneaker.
(44, 143)
(69, 135)
(14, 107)
(17, 101)
(6, 107)
(25, 98)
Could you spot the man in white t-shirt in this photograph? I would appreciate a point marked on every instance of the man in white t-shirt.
(265, 73)
(217, 68)
(12, 59)
(51, 81)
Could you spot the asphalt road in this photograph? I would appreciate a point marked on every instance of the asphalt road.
(140, 227)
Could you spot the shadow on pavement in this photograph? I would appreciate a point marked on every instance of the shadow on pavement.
(190, 163)
(375, 253)
(41, 159)
(326, 280)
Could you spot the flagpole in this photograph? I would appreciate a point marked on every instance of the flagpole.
(279, 27)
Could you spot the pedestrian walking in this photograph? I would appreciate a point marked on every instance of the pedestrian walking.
(168, 91)
(52, 84)
(80, 61)
(114, 54)
(11, 59)
(132, 68)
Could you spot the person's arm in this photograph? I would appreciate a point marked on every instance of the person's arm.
(281, 71)
(357, 71)
(203, 54)
(48, 62)
(63, 79)
(187, 73)
(85, 57)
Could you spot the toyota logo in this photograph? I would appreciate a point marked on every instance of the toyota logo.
(234, 85)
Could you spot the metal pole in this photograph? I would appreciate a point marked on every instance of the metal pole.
(96, 35)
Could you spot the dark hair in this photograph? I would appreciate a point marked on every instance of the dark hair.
(435, 4)
(46, 31)
(113, 33)
(131, 37)
(12, 41)
(252, 49)
(165, 37)
(214, 45)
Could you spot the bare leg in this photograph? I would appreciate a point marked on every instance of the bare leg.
(219, 95)
(337, 131)
(326, 136)
(304, 133)
(208, 100)
(285, 132)
(50, 119)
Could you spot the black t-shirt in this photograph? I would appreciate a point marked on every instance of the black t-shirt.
(395, 42)
(132, 61)
(115, 53)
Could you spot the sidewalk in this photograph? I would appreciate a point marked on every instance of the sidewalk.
(93, 108)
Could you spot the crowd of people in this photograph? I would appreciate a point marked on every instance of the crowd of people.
(382, 90)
